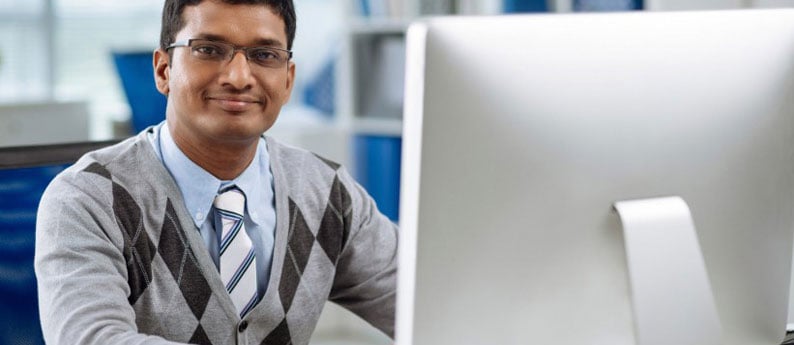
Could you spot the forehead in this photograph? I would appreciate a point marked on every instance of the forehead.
(242, 24)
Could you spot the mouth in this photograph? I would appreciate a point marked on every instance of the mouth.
(235, 103)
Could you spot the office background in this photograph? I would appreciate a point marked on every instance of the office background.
(64, 78)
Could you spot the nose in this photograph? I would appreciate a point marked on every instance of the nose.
(237, 73)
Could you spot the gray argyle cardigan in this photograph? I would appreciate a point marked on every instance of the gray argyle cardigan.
(119, 261)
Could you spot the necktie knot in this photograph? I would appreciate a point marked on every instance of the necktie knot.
(231, 200)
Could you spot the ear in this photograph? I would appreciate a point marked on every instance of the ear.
(162, 71)
(290, 79)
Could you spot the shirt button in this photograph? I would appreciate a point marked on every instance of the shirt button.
(200, 216)
(243, 325)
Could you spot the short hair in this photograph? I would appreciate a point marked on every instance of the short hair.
(172, 17)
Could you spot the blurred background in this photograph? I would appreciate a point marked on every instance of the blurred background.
(80, 70)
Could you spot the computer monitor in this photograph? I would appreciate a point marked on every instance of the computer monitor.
(25, 171)
(522, 132)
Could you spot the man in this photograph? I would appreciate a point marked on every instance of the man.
(201, 230)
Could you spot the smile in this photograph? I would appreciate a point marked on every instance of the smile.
(235, 104)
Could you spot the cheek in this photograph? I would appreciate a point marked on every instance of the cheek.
(187, 86)
(277, 88)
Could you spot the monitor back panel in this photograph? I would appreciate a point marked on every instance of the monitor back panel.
(522, 131)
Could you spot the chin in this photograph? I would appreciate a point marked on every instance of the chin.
(242, 133)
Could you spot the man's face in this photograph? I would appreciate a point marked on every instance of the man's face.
(224, 102)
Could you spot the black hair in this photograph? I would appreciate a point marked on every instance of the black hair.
(173, 22)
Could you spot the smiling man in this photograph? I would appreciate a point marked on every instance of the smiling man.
(203, 230)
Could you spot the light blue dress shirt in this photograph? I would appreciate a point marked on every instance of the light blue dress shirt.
(199, 189)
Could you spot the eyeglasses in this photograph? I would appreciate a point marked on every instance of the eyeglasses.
(218, 51)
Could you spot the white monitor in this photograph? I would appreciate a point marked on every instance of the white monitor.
(520, 134)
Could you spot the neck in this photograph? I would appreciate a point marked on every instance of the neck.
(226, 161)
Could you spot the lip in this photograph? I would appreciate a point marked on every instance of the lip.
(235, 103)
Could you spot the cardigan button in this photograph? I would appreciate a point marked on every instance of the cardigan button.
(243, 325)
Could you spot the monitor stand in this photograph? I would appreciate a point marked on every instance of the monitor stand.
(671, 294)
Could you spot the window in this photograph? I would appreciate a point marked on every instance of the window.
(60, 50)
(86, 33)
(24, 69)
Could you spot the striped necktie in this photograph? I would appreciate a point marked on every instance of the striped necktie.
(237, 267)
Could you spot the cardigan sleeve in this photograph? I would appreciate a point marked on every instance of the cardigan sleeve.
(80, 267)
(366, 276)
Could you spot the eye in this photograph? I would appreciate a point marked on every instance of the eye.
(209, 50)
(264, 55)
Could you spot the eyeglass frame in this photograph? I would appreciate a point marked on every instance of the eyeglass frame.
(235, 48)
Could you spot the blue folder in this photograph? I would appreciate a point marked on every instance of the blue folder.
(377, 169)
(137, 78)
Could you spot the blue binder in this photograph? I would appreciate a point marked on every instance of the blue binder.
(377, 168)
(514, 6)
(319, 92)
(607, 5)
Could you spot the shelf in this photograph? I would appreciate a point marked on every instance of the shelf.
(376, 63)
(378, 26)
(378, 126)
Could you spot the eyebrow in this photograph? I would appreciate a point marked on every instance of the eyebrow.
(269, 42)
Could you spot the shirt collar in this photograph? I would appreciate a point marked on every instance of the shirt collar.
(254, 182)
(199, 187)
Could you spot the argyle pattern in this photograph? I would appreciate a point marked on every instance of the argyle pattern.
(140, 251)
(323, 245)
(315, 248)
